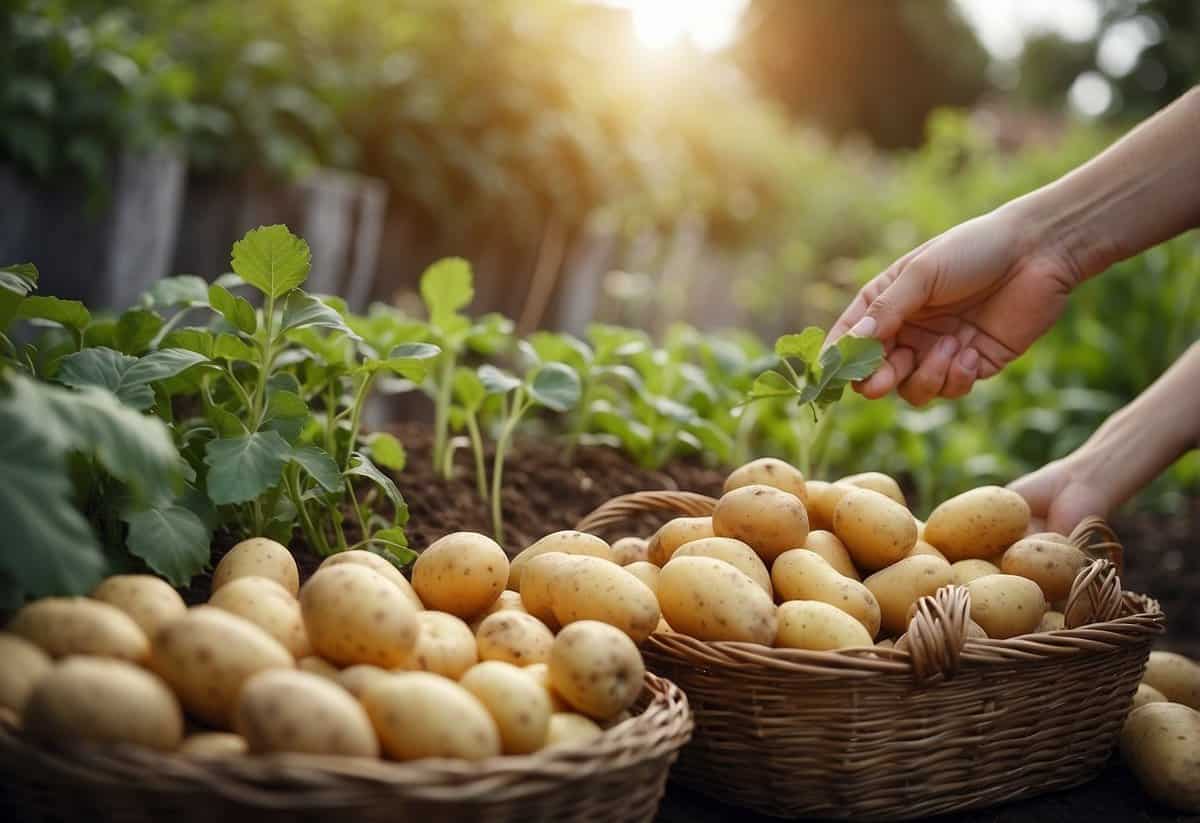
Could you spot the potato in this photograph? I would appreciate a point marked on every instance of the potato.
(377, 564)
(284, 710)
(520, 707)
(1051, 622)
(150, 601)
(540, 674)
(768, 471)
(537, 585)
(674, 533)
(630, 550)
(267, 605)
(974, 630)
(963, 572)
(508, 601)
(1006, 605)
(462, 573)
(876, 530)
(588, 588)
(1049, 561)
(417, 714)
(663, 626)
(213, 744)
(515, 637)
(445, 646)
(317, 665)
(979, 523)
(921, 547)
(886, 643)
(78, 625)
(567, 542)
(354, 615)
(258, 557)
(823, 499)
(877, 482)
(770, 521)
(804, 575)
(1175, 676)
(902, 584)
(1147, 694)
(208, 654)
(646, 572)
(596, 668)
(735, 553)
(360, 677)
(1160, 742)
(22, 664)
(571, 728)
(711, 600)
(811, 624)
(833, 551)
(103, 701)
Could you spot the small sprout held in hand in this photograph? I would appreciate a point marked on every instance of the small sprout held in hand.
(819, 378)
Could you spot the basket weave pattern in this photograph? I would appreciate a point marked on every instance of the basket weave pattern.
(950, 724)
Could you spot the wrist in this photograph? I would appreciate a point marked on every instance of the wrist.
(1048, 223)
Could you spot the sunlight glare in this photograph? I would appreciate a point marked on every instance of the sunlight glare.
(709, 24)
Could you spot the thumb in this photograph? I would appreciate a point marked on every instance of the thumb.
(901, 300)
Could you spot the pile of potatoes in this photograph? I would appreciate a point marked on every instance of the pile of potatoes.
(356, 662)
(1161, 737)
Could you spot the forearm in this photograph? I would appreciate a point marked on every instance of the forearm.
(1142, 190)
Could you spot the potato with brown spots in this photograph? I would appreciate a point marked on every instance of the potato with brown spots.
(1050, 560)
(267, 605)
(354, 615)
(508, 601)
(213, 744)
(61, 626)
(1147, 694)
(417, 714)
(1052, 622)
(877, 482)
(379, 565)
(823, 499)
(445, 646)
(1174, 675)
(358, 678)
(285, 710)
(22, 664)
(258, 557)
(569, 728)
(103, 701)
(150, 601)
(537, 585)
(462, 573)
(979, 523)
(317, 665)
(588, 588)
(711, 600)
(1160, 742)
(876, 530)
(676, 532)
(817, 626)
(804, 575)
(646, 572)
(515, 637)
(963, 572)
(768, 471)
(520, 707)
(596, 668)
(540, 673)
(922, 547)
(208, 654)
(770, 521)
(1006, 605)
(900, 585)
(567, 542)
(833, 551)
(630, 550)
(735, 553)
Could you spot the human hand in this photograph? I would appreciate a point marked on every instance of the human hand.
(1060, 494)
(960, 307)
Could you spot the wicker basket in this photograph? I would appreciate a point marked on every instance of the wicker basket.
(951, 724)
(618, 777)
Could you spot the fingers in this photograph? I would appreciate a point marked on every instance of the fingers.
(964, 371)
(894, 370)
(858, 306)
(901, 300)
(928, 379)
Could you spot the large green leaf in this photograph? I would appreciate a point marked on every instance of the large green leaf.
(446, 287)
(181, 290)
(135, 329)
(242, 468)
(387, 451)
(805, 346)
(69, 313)
(272, 259)
(361, 466)
(236, 310)
(305, 311)
(129, 378)
(16, 281)
(497, 381)
(861, 356)
(555, 386)
(172, 539)
(319, 465)
(409, 360)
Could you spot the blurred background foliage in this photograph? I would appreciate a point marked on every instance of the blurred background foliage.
(821, 140)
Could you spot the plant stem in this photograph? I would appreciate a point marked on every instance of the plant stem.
(292, 484)
(580, 422)
(360, 397)
(506, 433)
(477, 447)
(441, 410)
(331, 419)
(268, 349)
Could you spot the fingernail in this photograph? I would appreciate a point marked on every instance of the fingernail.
(947, 346)
(969, 359)
(864, 327)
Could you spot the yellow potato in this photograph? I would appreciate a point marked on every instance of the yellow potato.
(417, 714)
(1174, 675)
(284, 710)
(974, 630)
(630, 550)
(540, 673)
(208, 654)
(811, 624)
(379, 565)
(770, 521)
(520, 707)
(735, 553)
(886, 643)
(804, 575)
(213, 744)
(354, 615)
(711, 600)
(1006, 605)
(921, 547)
(508, 601)
(979, 523)
(1159, 742)
(963, 572)
(103, 701)
(878, 482)
(589, 588)
(537, 585)
(515, 637)
(567, 542)
(445, 646)
(674, 533)
(768, 471)
(22, 664)
(61, 626)
(572, 729)
(150, 601)
(826, 544)
(1147, 694)
(1048, 561)
(267, 605)
(823, 499)
(876, 530)
(1051, 622)
(462, 573)
(317, 665)
(258, 557)
(358, 678)
(646, 572)
(596, 668)
(902, 584)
